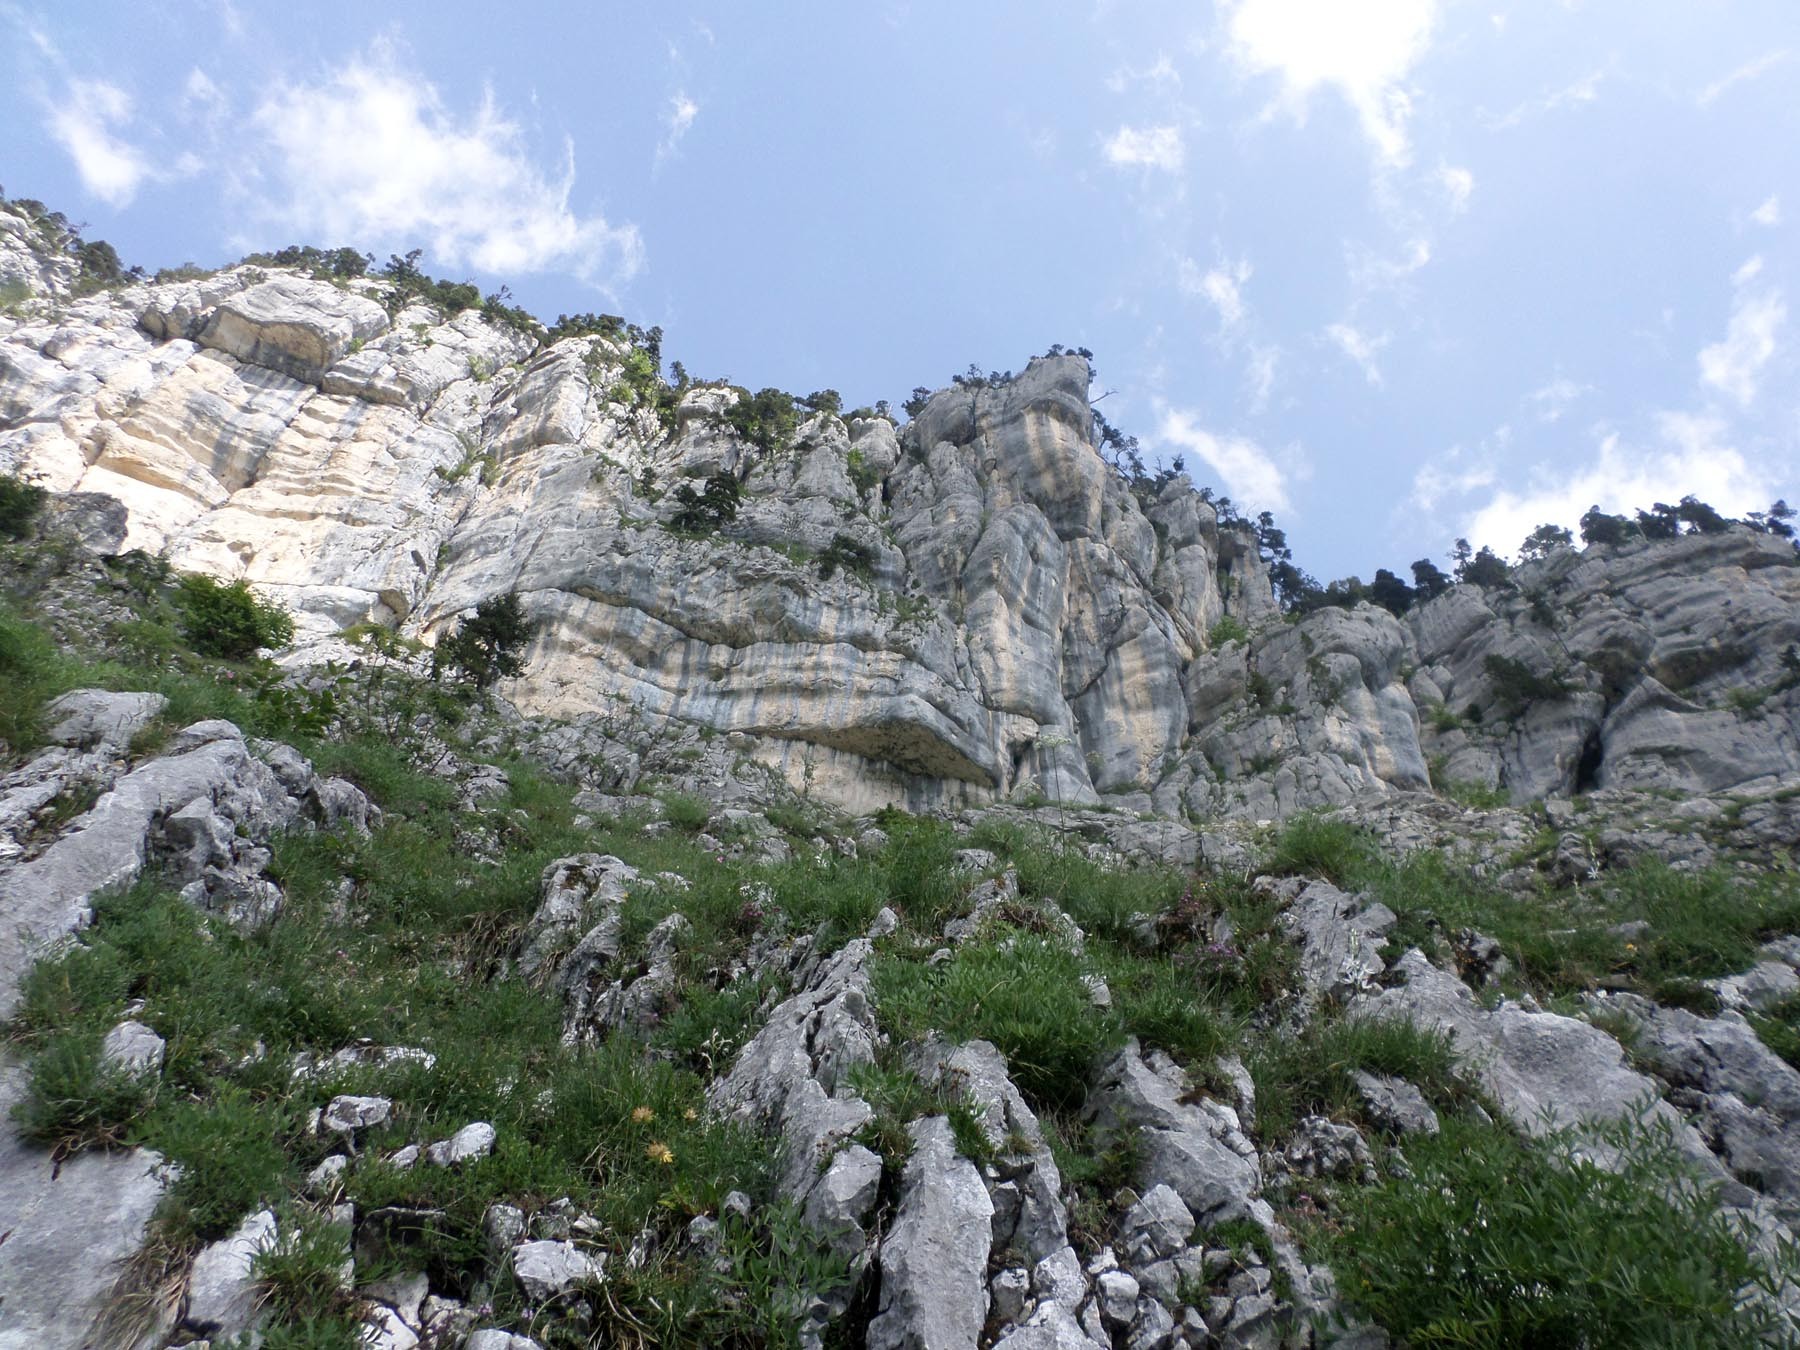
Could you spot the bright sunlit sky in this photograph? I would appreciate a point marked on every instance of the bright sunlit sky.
(1398, 270)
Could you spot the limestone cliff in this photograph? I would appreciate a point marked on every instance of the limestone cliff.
(1013, 619)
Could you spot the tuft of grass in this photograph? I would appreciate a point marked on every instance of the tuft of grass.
(1312, 845)
(1023, 993)
(685, 812)
(300, 1276)
(1493, 1241)
(75, 1101)
(1309, 1073)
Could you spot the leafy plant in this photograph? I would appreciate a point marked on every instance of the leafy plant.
(1497, 1242)
(706, 512)
(230, 620)
(20, 503)
(853, 556)
(487, 647)
(1227, 629)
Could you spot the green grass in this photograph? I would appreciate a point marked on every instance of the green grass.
(1497, 1243)
(625, 1136)
(1702, 924)
(1309, 1073)
(1019, 991)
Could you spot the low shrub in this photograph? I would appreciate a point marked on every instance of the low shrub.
(20, 503)
(1498, 1242)
(229, 621)
(489, 646)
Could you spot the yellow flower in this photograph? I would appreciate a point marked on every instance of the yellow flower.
(690, 1114)
(659, 1153)
(643, 1115)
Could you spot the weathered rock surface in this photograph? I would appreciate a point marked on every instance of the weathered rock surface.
(66, 1224)
(1544, 1071)
(1024, 624)
(1185, 1141)
(222, 1292)
(203, 810)
(934, 1258)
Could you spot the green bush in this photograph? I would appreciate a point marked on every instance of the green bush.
(19, 504)
(709, 510)
(1518, 686)
(1227, 629)
(488, 647)
(854, 557)
(229, 621)
(686, 812)
(1311, 845)
(766, 419)
(1499, 1243)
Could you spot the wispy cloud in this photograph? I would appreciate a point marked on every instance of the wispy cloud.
(1750, 70)
(1458, 185)
(1364, 52)
(82, 121)
(1154, 147)
(678, 117)
(1576, 94)
(1689, 454)
(373, 153)
(1769, 213)
(1259, 376)
(1359, 347)
(1554, 399)
(1248, 472)
(1221, 287)
(1452, 475)
(1734, 365)
(1161, 74)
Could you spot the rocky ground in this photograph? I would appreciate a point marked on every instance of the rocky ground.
(336, 1019)
(944, 903)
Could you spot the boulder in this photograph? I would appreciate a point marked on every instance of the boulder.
(934, 1257)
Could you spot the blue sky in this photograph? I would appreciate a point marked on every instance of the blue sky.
(1399, 270)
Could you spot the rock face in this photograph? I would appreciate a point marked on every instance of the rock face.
(66, 1225)
(1014, 619)
(934, 1262)
(204, 809)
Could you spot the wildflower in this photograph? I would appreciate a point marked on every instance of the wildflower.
(659, 1152)
(690, 1114)
(642, 1115)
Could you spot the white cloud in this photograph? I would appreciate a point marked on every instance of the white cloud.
(1578, 94)
(1734, 365)
(372, 155)
(199, 90)
(1221, 287)
(1453, 476)
(1147, 147)
(1749, 272)
(1556, 397)
(1748, 71)
(1458, 185)
(680, 116)
(1161, 75)
(1250, 476)
(1370, 272)
(1259, 376)
(1691, 457)
(1364, 51)
(82, 123)
(1769, 213)
(1360, 347)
